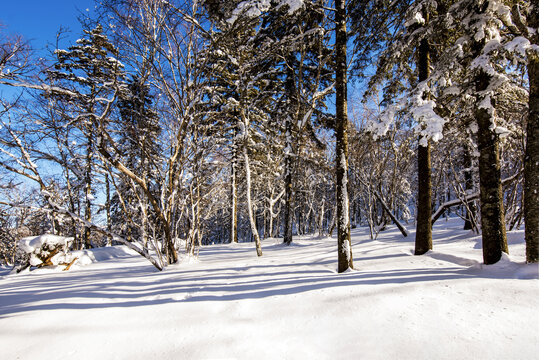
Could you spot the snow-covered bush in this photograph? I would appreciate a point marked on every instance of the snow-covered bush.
(44, 250)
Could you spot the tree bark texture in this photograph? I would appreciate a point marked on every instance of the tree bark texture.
(287, 211)
(469, 222)
(344, 244)
(254, 229)
(423, 235)
(107, 208)
(234, 199)
(490, 184)
(531, 160)
(88, 193)
(290, 88)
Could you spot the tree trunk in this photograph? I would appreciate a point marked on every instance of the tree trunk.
(88, 193)
(423, 235)
(401, 227)
(321, 220)
(290, 89)
(531, 160)
(344, 243)
(73, 223)
(234, 199)
(287, 211)
(107, 208)
(469, 223)
(254, 230)
(491, 195)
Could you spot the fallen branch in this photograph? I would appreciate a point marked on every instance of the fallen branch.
(401, 227)
(463, 200)
(393, 218)
(69, 264)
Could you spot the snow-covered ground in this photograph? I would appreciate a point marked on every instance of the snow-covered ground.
(289, 304)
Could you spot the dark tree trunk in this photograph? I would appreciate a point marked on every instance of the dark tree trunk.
(73, 223)
(491, 195)
(531, 160)
(423, 236)
(233, 238)
(107, 208)
(290, 89)
(344, 244)
(88, 193)
(287, 211)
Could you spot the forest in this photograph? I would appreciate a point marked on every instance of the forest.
(170, 125)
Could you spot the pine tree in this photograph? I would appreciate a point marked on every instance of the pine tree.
(90, 71)
(138, 135)
(522, 26)
(241, 79)
(303, 66)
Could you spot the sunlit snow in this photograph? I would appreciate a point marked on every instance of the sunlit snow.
(289, 304)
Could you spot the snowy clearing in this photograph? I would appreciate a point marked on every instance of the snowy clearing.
(289, 304)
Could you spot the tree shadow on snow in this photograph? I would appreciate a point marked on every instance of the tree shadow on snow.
(135, 286)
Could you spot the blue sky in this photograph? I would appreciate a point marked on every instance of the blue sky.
(39, 20)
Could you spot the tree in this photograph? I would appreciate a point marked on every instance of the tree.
(402, 30)
(344, 248)
(138, 133)
(304, 63)
(89, 70)
(423, 237)
(531, 161)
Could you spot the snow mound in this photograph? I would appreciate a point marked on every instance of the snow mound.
(508, 268)
(84, 257)
(46, 249)
(109, 252)
(52, 250)
(31, 244)
(459, 260)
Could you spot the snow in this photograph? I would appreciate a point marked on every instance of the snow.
(519, 45)
(417, 18)
(32, 243)
(291, 303)
(385, 120)
(293, 5)
(486, 103)
(255, 8)
(502, 131)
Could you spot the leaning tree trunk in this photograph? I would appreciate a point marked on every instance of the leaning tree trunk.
(531, 160)
(423, 235)
(254, 229)
(490, 183)
(344, 244)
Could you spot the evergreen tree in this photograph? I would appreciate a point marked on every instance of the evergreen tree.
(90, 72)
(138, 135)
(304, 66)
(242, 82)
